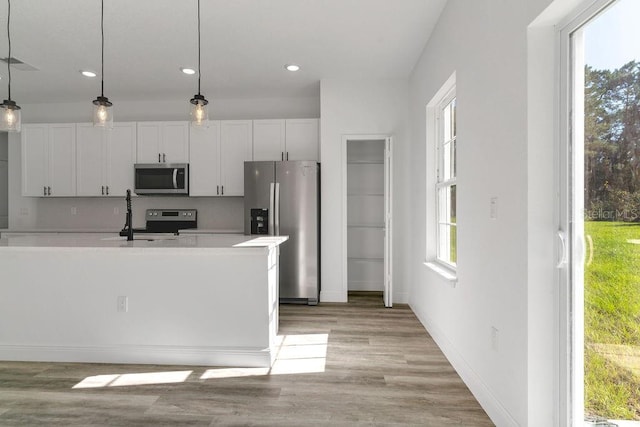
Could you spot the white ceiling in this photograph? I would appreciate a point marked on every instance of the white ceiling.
(245, 45)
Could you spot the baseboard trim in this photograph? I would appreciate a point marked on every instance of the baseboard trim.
(152, 354)
(492, 406)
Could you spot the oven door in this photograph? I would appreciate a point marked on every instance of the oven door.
(162, 178)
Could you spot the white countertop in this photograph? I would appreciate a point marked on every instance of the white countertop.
(83, 230)
(159, 241)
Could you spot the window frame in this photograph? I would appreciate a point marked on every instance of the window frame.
(445, 180)
(433, 137)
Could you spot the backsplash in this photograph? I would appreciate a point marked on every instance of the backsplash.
(97, 213)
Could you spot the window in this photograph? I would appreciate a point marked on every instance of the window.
(446, 227)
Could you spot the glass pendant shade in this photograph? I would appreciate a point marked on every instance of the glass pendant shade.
(10, 120)
(199, 111)
(102, 113)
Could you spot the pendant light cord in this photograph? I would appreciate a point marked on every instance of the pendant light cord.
(102, 36)
(198, 47)
(9, 37)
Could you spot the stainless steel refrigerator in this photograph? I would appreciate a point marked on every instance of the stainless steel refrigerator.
(283, 198)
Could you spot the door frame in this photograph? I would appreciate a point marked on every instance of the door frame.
(388, 207)
(570, 247)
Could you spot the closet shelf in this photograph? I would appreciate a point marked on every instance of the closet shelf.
(375, 226)
(365, 162)
(366, 259)
(366, 193)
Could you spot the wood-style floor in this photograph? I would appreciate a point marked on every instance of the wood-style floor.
(349, 364)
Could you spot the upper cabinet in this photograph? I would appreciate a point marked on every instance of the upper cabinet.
(105, 159)
(268, 140)
(291, 139)
(49, 160)
(204, 160)
(163, 142)
(218, 153)
(302, 139)
(236, 147)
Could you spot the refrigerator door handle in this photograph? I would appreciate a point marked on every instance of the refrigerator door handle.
(271, 208)
(277, 209)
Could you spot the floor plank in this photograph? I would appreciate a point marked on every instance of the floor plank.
(355, 364)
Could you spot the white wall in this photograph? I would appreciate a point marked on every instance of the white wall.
(485, 43)
(98, 213)
(350, 107)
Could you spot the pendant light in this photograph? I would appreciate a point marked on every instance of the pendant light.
(199, 108)
(10, 119)
(102, 107)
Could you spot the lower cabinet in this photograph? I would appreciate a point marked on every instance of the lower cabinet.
(216, 158)
(105, 159)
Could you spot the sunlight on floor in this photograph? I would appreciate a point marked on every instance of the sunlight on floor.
(120, 380)
(297, 354)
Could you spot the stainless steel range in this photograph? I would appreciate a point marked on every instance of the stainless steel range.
(160, 220)
(169, 220)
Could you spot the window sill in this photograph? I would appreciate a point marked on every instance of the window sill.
(446, 273)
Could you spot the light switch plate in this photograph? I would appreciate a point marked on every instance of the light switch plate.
(493, 208)
(123, 304)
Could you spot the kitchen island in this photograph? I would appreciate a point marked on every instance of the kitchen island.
(160, 299)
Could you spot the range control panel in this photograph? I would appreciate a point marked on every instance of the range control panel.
(172, 215)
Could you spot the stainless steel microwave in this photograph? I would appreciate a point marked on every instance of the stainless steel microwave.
(162, 178)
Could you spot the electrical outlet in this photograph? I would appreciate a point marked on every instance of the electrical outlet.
(74, 210)
(494, 338)
(24, 211)
(123, 304)
(116, 211)
(493, 208)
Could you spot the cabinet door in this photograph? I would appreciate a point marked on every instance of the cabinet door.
(204, 160)
(90, 179)
(302, 139)
(148, 143)
(120, 155)
(175, 142)
(268, 140)
(62, 159)
(34, 141)
(235, 149)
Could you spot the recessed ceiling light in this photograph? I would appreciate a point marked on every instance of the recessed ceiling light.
(292, 67)
(188, 70)
(88, 73)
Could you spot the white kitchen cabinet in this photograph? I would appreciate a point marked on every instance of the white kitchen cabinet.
(290, 139)
(105, 159)
(236, 147)
(217, 156)
(163, 142)
(268, 140)
(49, 160)
(301, 139)
(204, 160)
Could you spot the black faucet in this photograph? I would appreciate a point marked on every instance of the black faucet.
(128, 225)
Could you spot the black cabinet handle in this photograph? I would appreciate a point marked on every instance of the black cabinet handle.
(159, 160)
(103, 190)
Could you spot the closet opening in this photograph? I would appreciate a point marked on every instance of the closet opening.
(368, 217)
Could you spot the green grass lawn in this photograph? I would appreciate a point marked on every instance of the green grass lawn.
(612, 321)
